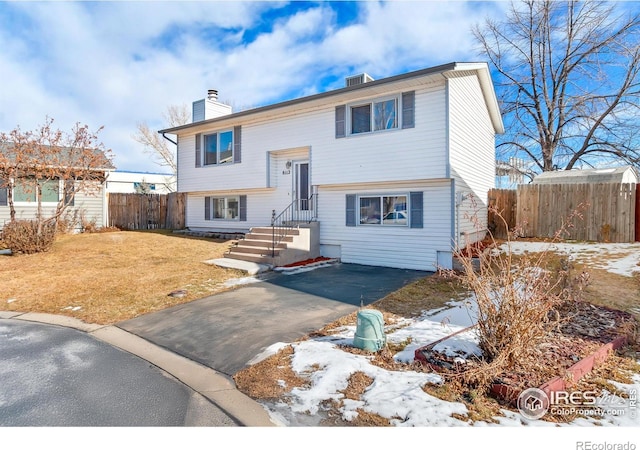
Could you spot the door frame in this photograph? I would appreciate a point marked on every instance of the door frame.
(301, 203)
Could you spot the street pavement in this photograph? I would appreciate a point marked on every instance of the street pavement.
(58, 376)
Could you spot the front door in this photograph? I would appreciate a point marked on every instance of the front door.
(301, 189)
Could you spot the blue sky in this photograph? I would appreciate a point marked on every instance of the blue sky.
(115, 64)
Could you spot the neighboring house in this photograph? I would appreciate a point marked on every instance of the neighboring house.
(122, 181)
(622, 175)
(392, 172)
(88, 204)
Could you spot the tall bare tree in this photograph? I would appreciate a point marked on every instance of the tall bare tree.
(156, 145)
(568, 80)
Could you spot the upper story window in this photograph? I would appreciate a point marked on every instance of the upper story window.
(218, 148)
(379, 114)
(376, 116)
(221, 147)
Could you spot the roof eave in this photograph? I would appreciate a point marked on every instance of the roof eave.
(481, 69)
(418, 73)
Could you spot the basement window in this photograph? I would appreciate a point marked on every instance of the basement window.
(384, 210)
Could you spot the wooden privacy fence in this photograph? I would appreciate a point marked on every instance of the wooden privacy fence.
(502, 211)
(147, 211)
(602, 212)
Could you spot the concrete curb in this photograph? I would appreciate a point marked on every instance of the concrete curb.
(216, 387)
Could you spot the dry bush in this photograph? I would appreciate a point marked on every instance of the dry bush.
(517, 303)
(23, 236)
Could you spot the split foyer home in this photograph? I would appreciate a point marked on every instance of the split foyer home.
(390, 172)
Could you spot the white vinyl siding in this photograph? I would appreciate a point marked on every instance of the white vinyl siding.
(258, 212)
(402, 247)
(472, 154)
(393, 155)
(397, 154)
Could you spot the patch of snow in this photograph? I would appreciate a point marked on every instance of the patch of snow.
(463, 313)
(395, 395)
(267, 352)
(241, 281)
(399, 396)
(11, 300)
(618, 258)
(72, 308)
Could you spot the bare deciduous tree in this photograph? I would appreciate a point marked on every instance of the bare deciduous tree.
(569, 82)
(158, 146)
(48, 162)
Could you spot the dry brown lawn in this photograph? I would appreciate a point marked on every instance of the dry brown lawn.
(108, 277)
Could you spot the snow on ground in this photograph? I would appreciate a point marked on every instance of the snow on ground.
(398, 396)
(621, 259)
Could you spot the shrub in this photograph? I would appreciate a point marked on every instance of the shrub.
(518, 301)
(22, 236)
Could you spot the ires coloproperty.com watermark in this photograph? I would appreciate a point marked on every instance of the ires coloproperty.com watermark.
(534, 403)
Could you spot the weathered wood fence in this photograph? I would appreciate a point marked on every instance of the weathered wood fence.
(502, 211)
(602, 212)
(147, 211)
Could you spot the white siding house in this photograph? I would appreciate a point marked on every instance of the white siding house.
(123, 181)
(395, 171)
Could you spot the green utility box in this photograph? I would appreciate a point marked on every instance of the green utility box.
(369, 331)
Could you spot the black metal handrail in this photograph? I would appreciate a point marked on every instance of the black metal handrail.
(299, 211)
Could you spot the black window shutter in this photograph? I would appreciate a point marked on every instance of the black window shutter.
(341, 122)
(198, 152)
(408, 109)
(237, 139)
(351, 210)
(207, 208)
(3, 194)
(243, 208)
(417, 212)
(69, 187)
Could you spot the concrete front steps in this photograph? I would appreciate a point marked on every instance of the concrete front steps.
(300, 243)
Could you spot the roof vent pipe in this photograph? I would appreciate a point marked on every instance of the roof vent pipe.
(212, 95)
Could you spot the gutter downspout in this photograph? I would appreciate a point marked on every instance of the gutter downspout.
(164, 135)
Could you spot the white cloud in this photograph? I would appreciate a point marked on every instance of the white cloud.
(120, 63)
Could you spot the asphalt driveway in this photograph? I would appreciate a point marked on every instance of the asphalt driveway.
(226, 331)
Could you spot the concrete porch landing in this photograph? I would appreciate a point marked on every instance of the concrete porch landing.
(250, 267)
